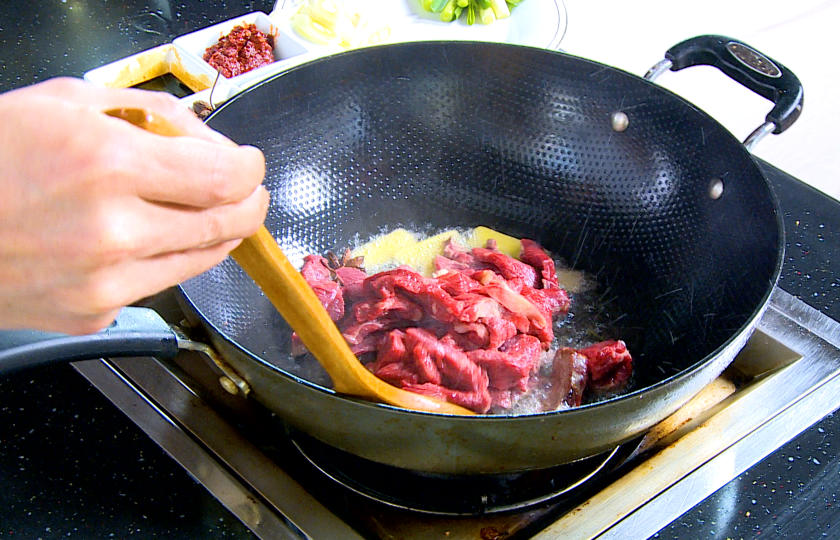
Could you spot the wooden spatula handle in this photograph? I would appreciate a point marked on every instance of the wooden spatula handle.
(299, 305)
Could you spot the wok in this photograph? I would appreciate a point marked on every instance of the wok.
(615, 175)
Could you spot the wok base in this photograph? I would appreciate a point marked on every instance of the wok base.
(460, 495)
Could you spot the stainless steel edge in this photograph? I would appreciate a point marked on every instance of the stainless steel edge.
(289, 512)
(730, 463)
(743, 430)
(798, 345)
(806, 317)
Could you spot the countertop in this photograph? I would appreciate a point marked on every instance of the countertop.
(73, 466)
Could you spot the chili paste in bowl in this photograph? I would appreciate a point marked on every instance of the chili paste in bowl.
(243, 49)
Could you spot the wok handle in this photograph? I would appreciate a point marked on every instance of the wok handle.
(136, 332)
(754, 70)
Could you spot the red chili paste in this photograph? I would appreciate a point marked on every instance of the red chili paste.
(243, 49)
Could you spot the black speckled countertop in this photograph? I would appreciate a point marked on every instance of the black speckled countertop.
(73, 466)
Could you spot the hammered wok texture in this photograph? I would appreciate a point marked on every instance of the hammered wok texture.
(431, 136)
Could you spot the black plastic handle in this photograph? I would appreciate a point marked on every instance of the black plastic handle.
(136, 332)
(749, 67)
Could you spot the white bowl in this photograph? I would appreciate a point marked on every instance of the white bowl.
(287, 51)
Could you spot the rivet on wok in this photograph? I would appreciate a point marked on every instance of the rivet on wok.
(619, 121)
(229, 386)
(716, 189)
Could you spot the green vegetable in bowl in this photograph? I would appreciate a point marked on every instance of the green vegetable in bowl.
(485, 11)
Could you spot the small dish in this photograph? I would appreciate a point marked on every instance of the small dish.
(192, 76)
(287, 51)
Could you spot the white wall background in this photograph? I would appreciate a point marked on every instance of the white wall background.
(803, 35)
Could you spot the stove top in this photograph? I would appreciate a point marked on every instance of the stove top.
(281, 485)
(59, 489)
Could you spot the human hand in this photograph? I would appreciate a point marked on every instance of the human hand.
(97, 213)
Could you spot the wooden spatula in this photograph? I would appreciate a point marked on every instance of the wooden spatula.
(263, 260)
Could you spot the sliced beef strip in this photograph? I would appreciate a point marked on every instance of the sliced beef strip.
(569, 376)
(507, 267)
(418, 360)
(497, 288)
(479, 401)
(511, 366)
(552, 302)
(533, 255)
(395, 305)
(485, 333)
(610, 365)
(349, 276)
(427, 292)
(317, 274)
(456, 282)
(456, 369)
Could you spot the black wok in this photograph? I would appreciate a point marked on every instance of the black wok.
(435, 135)
(441, 135)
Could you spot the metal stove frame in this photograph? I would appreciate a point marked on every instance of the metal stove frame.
(793, 361)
